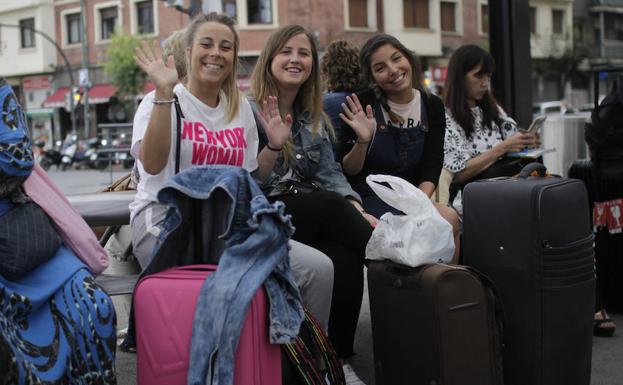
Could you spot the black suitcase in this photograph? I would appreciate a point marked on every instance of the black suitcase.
(435, 324)
(608, 247)
(531, 236)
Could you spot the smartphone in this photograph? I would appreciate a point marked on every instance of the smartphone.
(535, 125)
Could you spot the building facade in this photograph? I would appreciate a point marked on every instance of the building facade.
(551, 48)
(598, 37)
(150, 19)
(27, 59)
(432, 28)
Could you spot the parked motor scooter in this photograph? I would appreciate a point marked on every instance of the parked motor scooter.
(68, 154)
(48, 157)
(73, 152)
(90, 156)
(117, 152)
(123, 156)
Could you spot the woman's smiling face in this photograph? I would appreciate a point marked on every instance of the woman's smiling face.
(391, 70)
(212, 54)
(293, 63)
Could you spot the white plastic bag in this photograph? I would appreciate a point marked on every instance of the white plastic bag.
(421, 236)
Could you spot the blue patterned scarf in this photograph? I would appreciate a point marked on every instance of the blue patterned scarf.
(16, 157)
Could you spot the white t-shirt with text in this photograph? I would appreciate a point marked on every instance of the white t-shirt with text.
(207, 138)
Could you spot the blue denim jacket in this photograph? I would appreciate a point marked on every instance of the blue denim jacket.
(313, 160)
(255, 252)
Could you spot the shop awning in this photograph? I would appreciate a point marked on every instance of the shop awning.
(101, 93)
(57, 99)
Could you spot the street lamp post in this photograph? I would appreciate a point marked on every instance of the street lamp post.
(69, 70)
(85, 68)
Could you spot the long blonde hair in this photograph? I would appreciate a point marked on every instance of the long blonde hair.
(309, 97)
(229, 87)
(175, 45)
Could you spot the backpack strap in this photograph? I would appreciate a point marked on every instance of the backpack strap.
(178, 132)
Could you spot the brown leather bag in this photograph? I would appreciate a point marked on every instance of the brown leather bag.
(125, 183)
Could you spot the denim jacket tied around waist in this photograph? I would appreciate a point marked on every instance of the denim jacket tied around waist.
(255, 252)
(313, 161)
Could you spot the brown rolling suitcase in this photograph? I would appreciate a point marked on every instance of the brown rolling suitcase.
(434, 324)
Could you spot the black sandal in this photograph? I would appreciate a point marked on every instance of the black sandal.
(600, 329)
(128, 345)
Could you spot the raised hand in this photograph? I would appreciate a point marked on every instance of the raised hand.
(360, 120)
(149, 58)
(277, 130)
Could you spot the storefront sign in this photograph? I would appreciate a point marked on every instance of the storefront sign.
(36, 83)
(439, 74)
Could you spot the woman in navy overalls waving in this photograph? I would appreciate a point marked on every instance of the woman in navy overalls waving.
(399, 132)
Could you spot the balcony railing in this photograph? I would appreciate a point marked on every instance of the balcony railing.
(610, 51)
(612, 3)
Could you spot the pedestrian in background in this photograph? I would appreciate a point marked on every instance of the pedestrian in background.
(341, 74)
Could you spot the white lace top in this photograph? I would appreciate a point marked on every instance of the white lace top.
(458, 149)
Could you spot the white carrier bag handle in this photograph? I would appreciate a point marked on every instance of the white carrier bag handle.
(421, 236)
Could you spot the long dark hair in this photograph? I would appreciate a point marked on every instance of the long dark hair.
(368, 49)
(464, 60)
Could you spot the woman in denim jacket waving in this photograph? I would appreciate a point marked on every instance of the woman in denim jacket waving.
(325, 210)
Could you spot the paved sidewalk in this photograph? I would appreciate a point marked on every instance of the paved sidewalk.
(607, 352)
(607, 355)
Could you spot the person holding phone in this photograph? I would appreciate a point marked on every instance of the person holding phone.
(478, 132)
(535, 126)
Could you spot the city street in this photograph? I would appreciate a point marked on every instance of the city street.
(607, 352)
(433, 84)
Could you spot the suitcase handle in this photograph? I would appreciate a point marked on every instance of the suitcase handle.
(205, 267)
(533, 168)
(401, 270)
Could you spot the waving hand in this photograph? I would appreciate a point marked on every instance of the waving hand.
(360, 120)
(277, 130)
(149, 58)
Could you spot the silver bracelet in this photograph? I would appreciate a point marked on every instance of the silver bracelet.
(163, 101)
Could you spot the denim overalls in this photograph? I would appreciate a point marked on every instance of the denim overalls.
(395, 151)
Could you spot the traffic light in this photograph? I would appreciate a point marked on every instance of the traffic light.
(77, 95)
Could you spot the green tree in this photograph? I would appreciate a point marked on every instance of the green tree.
(125, 74)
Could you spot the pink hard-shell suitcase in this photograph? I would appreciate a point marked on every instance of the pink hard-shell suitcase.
(164, 305)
